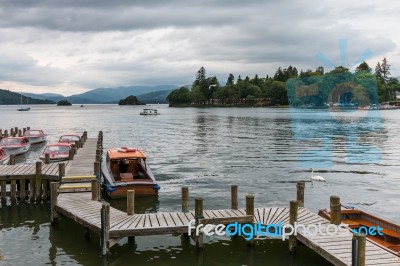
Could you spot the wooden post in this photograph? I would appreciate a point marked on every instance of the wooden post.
(19, 133)
(300, 193)
(3, 190)
(95, 189)
(77, 144)
(31, 189)
(335, 210)
(360, 242)
(28, 128)
(105, 228)
(96, 168)
(85, 136)
(47, 158)
(6, 133)
(16, 130)
(130, 202)
(71, 154)
(185, 199)
(24, 130)
(198, 214)
(13, 190)
(12, 159)
(53, 201)
(250, 211)
(74, 148)
(22, 189)
(234, 197)
(45, 183)
(98, 153)
(38, 180)
(292, 219)
(61, 170)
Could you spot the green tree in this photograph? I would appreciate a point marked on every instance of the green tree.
(363, 67)
(179, 96)
(385, 69)
(231, 79)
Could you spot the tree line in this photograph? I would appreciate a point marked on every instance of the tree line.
(289, 86)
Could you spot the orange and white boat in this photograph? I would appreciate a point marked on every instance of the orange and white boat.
(356, 219)
(126, 169)
(4, 158)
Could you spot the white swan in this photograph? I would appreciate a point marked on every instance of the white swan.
(316, 177)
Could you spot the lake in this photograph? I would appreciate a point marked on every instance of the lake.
(265, 151)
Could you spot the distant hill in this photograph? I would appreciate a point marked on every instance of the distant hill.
(147, 94)
(155, 97)
(9, 97)
(130, 100)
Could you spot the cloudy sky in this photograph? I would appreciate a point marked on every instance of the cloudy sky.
(73, 46)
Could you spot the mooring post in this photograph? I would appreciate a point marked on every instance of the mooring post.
(335, 210)
(105, 228)
(96, 169)
(24, 130)
(300, 193)
(12, 159)
(19, 133)
(53, 201)
(95, 189)
(84, 136)
(250, 211)
(358, 249)
(28, 128)
(77, 145)
(130, 202)
(31, 189)
(6, 133)
(73, 147)
(13, 190)
(3, 190)
(38, 180)
(198, 214)
(22, 189)
(47, 158)
(61, 170)
(71, 154)
(185, 199)
(234, 197)
(292, 219)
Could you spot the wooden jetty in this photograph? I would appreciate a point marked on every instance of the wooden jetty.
(32, 179)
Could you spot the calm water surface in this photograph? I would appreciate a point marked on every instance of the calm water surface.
(264, 151)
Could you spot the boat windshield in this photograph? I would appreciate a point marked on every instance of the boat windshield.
(69, 139)
(57, 149)
(33, 133)
(8, 142)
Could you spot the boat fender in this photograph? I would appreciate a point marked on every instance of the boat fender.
(110, 188)
(156, 187)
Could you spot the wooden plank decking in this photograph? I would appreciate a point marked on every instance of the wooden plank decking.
(336, 249)
(82, 164)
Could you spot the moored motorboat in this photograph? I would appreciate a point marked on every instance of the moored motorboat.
(15, 145)
(69, 138)
(57, 151)
(35, 136)
(4, 158)
(124, 169)
(389, 233)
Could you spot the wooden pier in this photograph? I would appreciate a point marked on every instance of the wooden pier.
(76, 195)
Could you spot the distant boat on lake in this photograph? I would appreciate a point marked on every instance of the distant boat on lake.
(149, 112)
(24, 108)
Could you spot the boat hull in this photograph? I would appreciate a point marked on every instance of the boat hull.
(34, 140)
(16, 150)
(5, 160)
(140, 190)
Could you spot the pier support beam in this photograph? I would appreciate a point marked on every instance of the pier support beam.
(105, 228)
(185, 199)
(130, 202)
(95, 189)
(198, 214)
(38, 181)
(250, 211)
(53, 201)
(358, 249)
(335, 210)
(234, 197)
(61, 170)
(300, 193)
(292, 219)
(3, 190)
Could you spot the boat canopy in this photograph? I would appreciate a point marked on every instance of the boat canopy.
(125, 152)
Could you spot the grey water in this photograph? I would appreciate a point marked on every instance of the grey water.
(265, 151)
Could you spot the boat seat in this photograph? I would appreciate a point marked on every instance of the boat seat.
(126, 177)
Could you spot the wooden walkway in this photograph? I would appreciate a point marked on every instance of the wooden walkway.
(82, 164)
(335, 249)
(29, 169)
